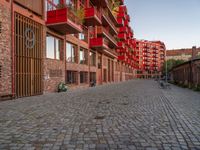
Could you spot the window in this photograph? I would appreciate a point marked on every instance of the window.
(83, 56)
(92, 76)
(92, 59)
(84, 35)
(71, 53)
(81, 36)
(53, 46)
(71, 77)
(83, 77)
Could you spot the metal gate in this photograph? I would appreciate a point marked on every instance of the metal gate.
(28, 56)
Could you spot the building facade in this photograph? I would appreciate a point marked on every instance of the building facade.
(151, 57)
(76, 42)
(182, 54)
(187, 74)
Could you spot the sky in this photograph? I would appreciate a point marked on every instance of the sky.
(175, 22)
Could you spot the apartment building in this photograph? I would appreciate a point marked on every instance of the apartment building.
(151, 58)
(45, 42)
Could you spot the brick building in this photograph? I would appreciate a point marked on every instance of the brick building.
(45, 42)
(187, 73)
(151, 57)
(182, 54)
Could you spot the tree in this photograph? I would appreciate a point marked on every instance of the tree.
(170, 64)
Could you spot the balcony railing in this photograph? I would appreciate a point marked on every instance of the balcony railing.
(123, 29)
(120, 22)
(63, 20)
(121, 50)
(122, 8)
(122, 36)
(121, 57)
(97, 43)
(120, 44)
(92, 16)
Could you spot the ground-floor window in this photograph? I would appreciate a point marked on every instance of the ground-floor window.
(92, 76)
(83, 77)
(92, 58)
(72, 77)
(53, 47)
(83, 56)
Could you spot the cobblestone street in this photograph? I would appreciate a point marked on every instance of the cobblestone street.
(131, 115)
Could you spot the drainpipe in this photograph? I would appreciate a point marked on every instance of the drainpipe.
(12, 50)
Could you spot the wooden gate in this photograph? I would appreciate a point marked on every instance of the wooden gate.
(28, 56)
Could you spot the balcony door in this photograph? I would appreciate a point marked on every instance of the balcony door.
(28, 56)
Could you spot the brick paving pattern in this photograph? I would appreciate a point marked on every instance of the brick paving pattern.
(130, 115)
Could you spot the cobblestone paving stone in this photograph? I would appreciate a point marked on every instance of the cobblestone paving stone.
(131, 115)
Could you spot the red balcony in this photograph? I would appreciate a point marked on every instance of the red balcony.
(126, 23)
(122, 8)
(122, 36)
(63, 21)
(122, 57)
(92, 16)
(120, 22)
(120, 44)
(121, 15)
(123, 29)
(155, 56)
(98, 43)
(127, 42)
(121, 50)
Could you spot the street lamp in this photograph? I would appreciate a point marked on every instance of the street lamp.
(165, 66)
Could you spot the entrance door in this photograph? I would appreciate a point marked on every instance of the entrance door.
(28, 56)
(109, 71)
(99, 72)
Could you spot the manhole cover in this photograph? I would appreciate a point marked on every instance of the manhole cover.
(99, 117)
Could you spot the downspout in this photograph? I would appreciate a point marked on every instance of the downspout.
(12, 50)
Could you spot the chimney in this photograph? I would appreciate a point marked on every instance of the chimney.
(194, 52)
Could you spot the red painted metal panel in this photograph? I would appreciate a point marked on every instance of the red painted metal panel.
(96, 42)
(122, 57)
(89, 12)
(120, 21)
(122, 36)
(56, 16)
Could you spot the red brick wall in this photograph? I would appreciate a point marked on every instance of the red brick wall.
(51, 82)
(182, 74)
(5, 48)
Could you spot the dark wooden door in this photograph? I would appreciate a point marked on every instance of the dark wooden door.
(28, 56)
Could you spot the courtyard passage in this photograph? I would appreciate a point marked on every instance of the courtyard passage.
(136, 114)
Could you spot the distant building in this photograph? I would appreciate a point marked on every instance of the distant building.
(151, 57)
(183, 54)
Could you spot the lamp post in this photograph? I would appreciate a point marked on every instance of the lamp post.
(166, 67)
